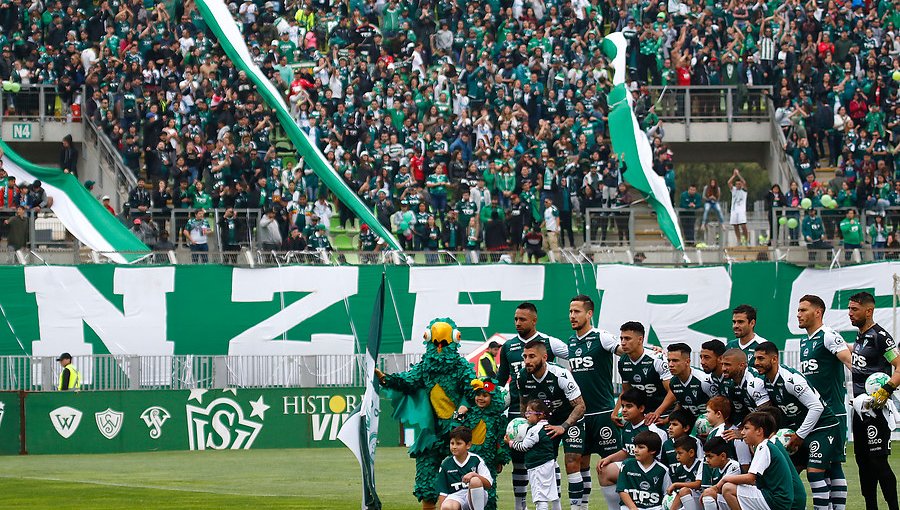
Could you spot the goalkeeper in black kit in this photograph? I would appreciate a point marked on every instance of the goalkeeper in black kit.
(874, 351)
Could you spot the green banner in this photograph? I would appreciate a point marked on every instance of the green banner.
(137, 421)
(217, 310)
(10, 423)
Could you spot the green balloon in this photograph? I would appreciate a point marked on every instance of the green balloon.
(826, 199)
(782, 220)
(806, 203)
(7, 86)
(832, 204)
(404, 225)
(16, 87)
(792, 223)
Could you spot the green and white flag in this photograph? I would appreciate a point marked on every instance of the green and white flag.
(217, 16)
(360, 431)
(79, 211)
(630, 141)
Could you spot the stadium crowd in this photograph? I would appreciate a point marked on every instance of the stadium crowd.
(419, 102)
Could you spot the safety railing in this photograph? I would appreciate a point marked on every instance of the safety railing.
(111, 162)
(131, 372)
(41, 103)
(711, 103)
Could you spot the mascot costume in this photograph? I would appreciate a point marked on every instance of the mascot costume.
(488, 424)
(426, 398)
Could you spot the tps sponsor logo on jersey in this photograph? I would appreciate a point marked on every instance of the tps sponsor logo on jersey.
(155, 417)
(109, 422)
(327, 413)
(65, 420)
(221, 425)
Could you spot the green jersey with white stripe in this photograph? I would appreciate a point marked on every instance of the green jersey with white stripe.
(630, 430)
(802, 407)
(749, 349)
(695, 392)
(711, 476)
(822, 368)
(450, 476)
(591, 363)
(647, 374)
(511, 362)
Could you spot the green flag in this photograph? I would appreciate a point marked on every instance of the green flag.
(630, 141)
(360, 431)
(216, 14)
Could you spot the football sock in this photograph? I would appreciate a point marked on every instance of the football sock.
(586, 483)
(820, 492)
(478, 497)
(837, 483)
(576, 488)
(612, 496)
(710, 503)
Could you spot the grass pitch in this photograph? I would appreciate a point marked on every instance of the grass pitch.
(301, 479)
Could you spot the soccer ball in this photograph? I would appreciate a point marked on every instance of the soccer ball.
(668, 500)
(701, 426)
(781, 436)
(516, 429)
(876, 381)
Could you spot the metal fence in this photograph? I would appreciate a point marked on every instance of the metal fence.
(711, 103)
(122, 372)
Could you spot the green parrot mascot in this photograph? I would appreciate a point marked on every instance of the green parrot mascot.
(426, 398)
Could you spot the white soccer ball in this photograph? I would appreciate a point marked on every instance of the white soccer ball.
(701, 426)
(782, 436)
(876, 381)
(668, 500)
(516, 429)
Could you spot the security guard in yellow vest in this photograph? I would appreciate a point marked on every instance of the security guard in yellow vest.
(487, 363)
(69, 379)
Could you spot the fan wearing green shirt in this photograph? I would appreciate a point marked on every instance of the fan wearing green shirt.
(436, 184)
(852, 233)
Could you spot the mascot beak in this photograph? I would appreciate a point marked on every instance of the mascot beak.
(441, 335)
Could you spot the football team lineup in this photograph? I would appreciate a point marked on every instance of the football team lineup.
(734, 433)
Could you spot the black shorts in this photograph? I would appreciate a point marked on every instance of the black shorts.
(871, 436)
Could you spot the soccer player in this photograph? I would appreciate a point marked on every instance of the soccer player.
(645, 371)
(555, 386)
(769, 483)
(691, 386)
(510, 365)
(874, 351)
(823, 356)
(644, 479)
(633, 403)
(743, 323)
(816, 440)
(743, 388)
(540, 456)
(686, 475)
(710, 352)
(591, 354)
(463, 476)
(717, 466)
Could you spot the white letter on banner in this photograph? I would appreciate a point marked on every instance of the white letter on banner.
(625, 298)
(325, 285)
(66, 299)
(826, 284)
(438, 292)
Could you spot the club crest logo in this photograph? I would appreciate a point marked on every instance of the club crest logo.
(221, 425)
(155, 417)
(109, 422)
(65, 420)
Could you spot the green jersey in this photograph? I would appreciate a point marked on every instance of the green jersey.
(645, 485)
(737, 449)
(630, 430)
(773, 475)
(711, 476)
(368, 240)
(695, 392)
(555, 387)
(538, 446)
(591, 363)
(799, 502)
(822, 368)
(746, 396)
(466, 210)
(749, 349)
(686, 474)
(451, 473)
(441, 180)
(667, 456)
(802, 407)
(647, 374)
(511, 362)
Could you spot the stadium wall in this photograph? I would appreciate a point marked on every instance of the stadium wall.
(217, 310)
(139, 421)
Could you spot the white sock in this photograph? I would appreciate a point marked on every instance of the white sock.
(710, 503)
(689, 503)
(612, 497)
(542, 505)
(478, 497)
(519, 503)
(556, 504)
(575, 496)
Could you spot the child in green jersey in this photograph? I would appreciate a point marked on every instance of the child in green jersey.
(463, 476)
(717, 466)
(643, 479)
(686, 475)
(540, 456)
